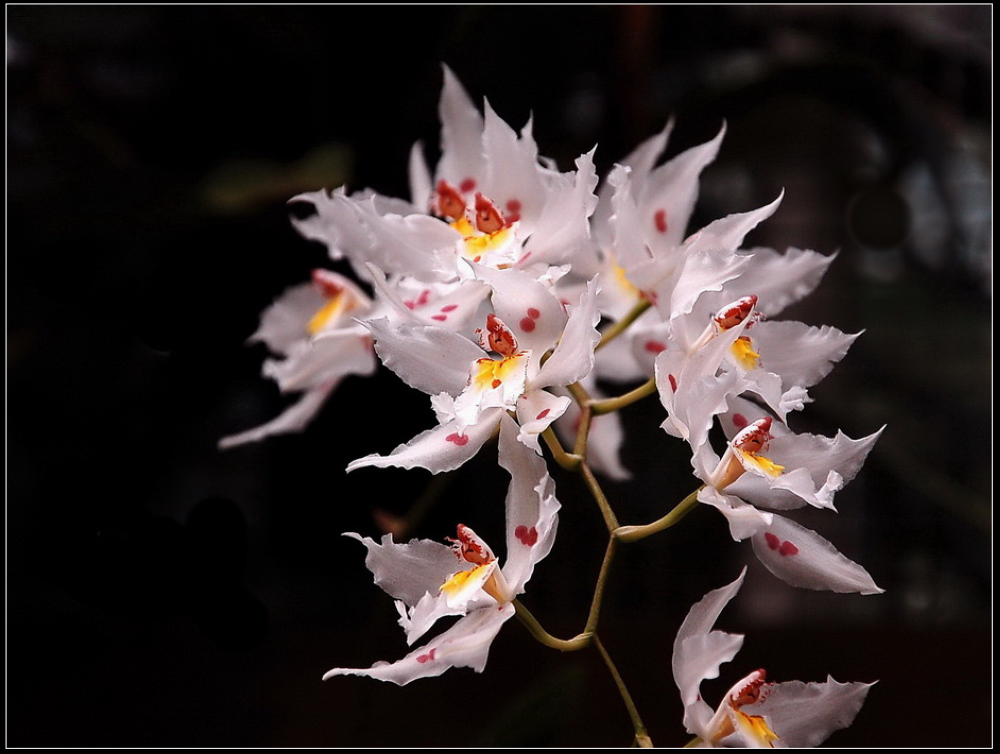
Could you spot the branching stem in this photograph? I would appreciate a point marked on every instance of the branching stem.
(635, 533)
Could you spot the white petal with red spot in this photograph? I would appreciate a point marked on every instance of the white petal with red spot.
(441, 448)
(536, 411)
(802, 558)
(531, 507)
(465, 644)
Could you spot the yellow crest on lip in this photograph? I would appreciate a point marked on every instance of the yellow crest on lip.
(330, 311)
(743, 352)
(477, 245)
(755, 728)
(761, 463)
(464, 584)
(492, 373)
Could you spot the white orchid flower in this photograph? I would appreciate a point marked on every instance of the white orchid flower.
(474, 384)
(312, 326)
(767, 466)
(491, 200)
(753, 713)
(673, 280)
(430, 580)
(732, 329)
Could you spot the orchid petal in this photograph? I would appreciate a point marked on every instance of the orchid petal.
(695, 656)
(531, 507)
(672, 189)
(283, 323)
(421, 181)
(802, 558)
(526, 306)
(318, 360)
(628, 239)
(512, 170)
(407, 572)
(438, 604)
(335, 223)
(744, 520)
(536, 410)
(465, 644)
(779, 280)
(295, 418)
(441, 448)
(800, 354)
(806, 714)
(429, 358)
(461, 133)
(573, 357)
(564, 227)
(728, 232)
(416, 244)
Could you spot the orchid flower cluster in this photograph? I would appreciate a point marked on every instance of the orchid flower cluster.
(514, 294)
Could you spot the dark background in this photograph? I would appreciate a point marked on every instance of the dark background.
(161, 593)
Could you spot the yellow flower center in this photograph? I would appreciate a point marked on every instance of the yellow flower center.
(330, 312)
(756, 729)
(743, 352)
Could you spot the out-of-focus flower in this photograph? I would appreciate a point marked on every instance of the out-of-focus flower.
(753, 713)
(430, 580)
(312, 327)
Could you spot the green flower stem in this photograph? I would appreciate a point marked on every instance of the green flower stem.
(602, 502)
(602, 577)
(579, 393)
(621, 325)
(635, 533)
(607, 405)
(641, 737)
(582, 432)
(693, 743)
(563, 645)
(566, 460)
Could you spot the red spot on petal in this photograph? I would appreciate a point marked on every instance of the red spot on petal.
(660, 218)
(496, 383)
(673, 382)
(457, 439)
(440, 317)
(425, 657)
(787, 548)
(740, 420)
(655, 346)
(410, 304)
(542, 414)
(527, 324)
(467, 185)
(525, 535)
(534, 313)
(784, 548)
(513, 205)
(449, 308)
(513, 217)
(422, 298)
